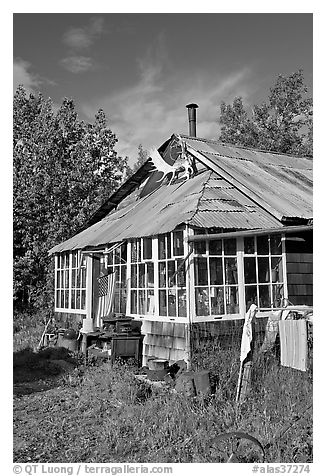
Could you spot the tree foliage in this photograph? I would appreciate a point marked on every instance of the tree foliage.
(63, 169)
(283, 124)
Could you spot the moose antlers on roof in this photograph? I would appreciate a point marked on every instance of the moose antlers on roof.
(182, 162)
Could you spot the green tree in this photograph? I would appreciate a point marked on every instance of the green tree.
(63, 169)
(283, 124)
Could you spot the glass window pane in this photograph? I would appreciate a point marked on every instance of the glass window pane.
(250, 270)
(58, 280)
(161, 247)
(171, 274)
(66, 305)
(230, 246)
(123, 277)
(278, 294)
(142, 304)
(83, 299)
(66, 279)
(141, 275)
(162, 303)
(117, 255)
(215, 247)
(276, 244)
(150, 302)
(216, 270)
(150, 275)
(182, 303)
(78, 300)
(263, 270)
(181, 274)
(202, 301)
(133, 296)
(162, 275)
(147, 244)
(262, 245)
(139, 247)
(264, 296)
(133, 280)
(58, 299)
(201, 273)
(123, 300)
(200, 247)
(168, 244)
(232, 299)
(133, 251)
(172, 304)
(73, 278)
(110, 258)
(249, 245)
(178, 243)
(83, 277)
(231, 271)
(251, 296)
(74, 259)
(217, 301)
(124, 252)
(62, 299)
(277, 270)
(73, 299)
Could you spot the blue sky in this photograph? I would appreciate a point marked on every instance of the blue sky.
(142, 69)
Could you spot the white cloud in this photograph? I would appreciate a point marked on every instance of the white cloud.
(77, 64)
(84, 37)
(153, 109)
(23, 75)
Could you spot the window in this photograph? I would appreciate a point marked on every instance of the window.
(142, 277)
(263, 271)
(216, 277)
(172, 275)
(70, 282)
(117, 261)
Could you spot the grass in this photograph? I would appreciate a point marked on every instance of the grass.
(102, 414)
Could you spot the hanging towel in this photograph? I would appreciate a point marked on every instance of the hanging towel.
(271, 331)
(247, 332)
(293, 341)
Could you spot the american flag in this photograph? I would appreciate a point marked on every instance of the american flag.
(106, 285)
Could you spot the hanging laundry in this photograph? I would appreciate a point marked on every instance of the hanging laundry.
(271, 331)
(293, 342)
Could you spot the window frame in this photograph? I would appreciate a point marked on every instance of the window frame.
(70, 288)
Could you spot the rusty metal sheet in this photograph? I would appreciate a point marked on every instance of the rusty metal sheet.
(235, 220)
(283, 182)
(210, 201)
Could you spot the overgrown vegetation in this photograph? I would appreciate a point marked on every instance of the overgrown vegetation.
(282, 124)
(64, 169)
(103, 414)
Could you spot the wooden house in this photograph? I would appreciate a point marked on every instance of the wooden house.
(194, 248)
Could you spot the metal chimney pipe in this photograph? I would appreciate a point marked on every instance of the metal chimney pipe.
(192, 118)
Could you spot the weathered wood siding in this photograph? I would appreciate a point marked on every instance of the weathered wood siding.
(164, 340)
(299, 261)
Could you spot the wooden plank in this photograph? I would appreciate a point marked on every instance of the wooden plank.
(298, 278)
(300, 289)
(303, 268)
(301, 300)
(299, 257)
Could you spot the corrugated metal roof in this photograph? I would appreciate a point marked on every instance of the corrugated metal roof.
(169, 206)
(245, 189)
(281, 182)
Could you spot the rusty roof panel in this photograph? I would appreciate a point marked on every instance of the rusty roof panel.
(233, 196)
(234, 220)
(282, 182)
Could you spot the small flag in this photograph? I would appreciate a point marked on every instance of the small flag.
(106, 287)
